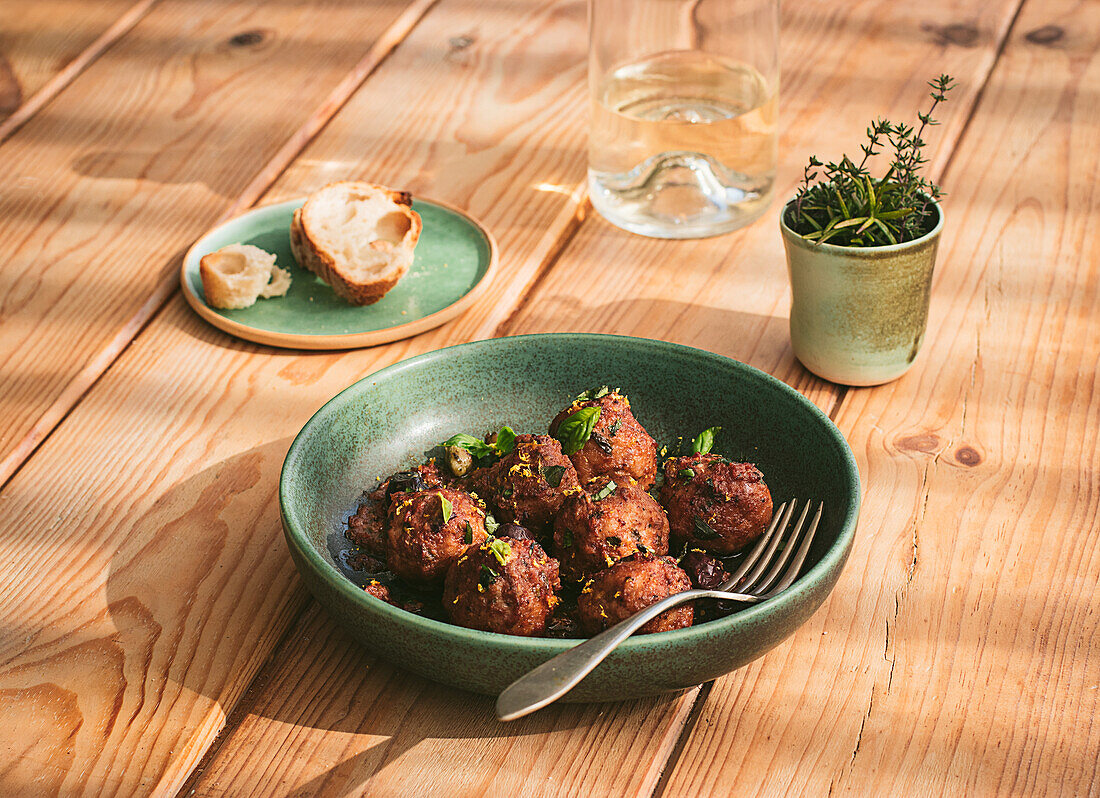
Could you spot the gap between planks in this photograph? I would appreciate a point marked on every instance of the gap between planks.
(842, 393)
(58, 82)
(87, 377)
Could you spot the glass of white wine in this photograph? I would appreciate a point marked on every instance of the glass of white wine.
(683, 129)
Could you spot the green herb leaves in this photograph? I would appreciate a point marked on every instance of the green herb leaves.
(605, 491)
(487, 577)
(505, 443)
(468, 538)
(576, 429)
(703, 530)
(687, 473)
(446, 506)
(491, 524)
(704, 441)
(849, 208)
(553, 475)
(614, 427)
(501, 549)
(592, 393)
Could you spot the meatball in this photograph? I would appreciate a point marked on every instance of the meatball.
(618, 592)
(528, 485)
(609, 522)
(503, 585)
(367, 526)
(618, 447)
(714, 504)
(429, 529)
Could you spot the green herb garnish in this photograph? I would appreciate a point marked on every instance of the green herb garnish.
(614, 427)
(505, 442)
(848, 207)
(703, 530)
(605, 491)
(468, 538)
(487, 577)
(614, 541)
(576, 429)
(704, 441)
(447, 507)
(687, 473)
(501, 549)
(553, 475)
(491, 524)
(592, 393)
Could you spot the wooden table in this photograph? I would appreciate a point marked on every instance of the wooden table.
(154, 636)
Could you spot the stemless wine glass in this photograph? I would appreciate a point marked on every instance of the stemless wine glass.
(684, 96)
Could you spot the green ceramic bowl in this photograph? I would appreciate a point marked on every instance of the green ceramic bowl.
(389, 420)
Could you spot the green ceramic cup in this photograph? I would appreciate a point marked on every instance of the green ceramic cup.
(858, 314)
(390, 419)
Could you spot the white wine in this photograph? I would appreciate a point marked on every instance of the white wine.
(682, 145)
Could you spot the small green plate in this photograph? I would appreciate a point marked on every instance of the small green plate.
(453, 261)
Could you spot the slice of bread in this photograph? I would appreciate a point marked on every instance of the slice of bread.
(237, 275)
(357, 237)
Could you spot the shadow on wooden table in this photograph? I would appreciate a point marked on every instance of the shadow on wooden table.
(202, 596)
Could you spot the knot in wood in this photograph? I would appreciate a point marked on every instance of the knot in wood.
(1048, 34)
(968, 456)
(248, 38)
(959, 34)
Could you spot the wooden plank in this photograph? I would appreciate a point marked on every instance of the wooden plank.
(150, 594)
(959, 655)
(316, 723)
(161, 136)
(353, 724)
(45, 44)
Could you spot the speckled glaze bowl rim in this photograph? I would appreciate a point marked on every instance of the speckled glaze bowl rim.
(858, 253)
(447, 632)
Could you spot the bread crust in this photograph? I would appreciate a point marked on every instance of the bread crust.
(314, 257)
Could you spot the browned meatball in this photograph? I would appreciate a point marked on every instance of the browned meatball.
(608, 522)
(504, 585)
(715, 504)
(528, 485)
(618, 592)
(378, 590)
(367, 527)
(618, 447)
(429, 529)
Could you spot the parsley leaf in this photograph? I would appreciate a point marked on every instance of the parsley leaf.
(487, 577)
(592, 393)
(704, 442)
(576, 429)
(501, 549)
(553, 475)
(703, 530)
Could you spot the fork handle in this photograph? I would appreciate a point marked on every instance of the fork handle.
(556, 677)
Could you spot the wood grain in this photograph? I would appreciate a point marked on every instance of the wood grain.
(45, 44)
(330, 719)
(959, 654)
(155, 141)
(152, 592)
(276, 749)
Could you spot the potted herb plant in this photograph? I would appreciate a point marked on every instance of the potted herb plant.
(860, 254)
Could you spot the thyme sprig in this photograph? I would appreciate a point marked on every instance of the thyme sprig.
(843, 204)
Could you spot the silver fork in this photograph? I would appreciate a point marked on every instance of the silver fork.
(766, 571)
